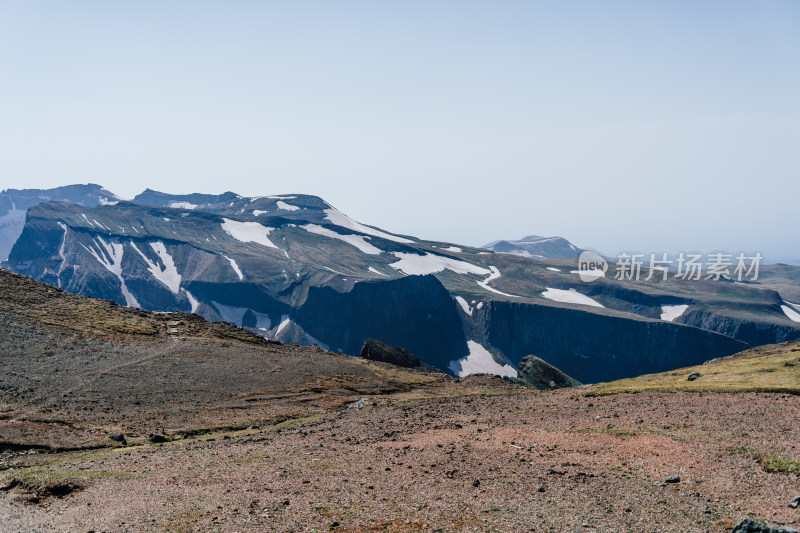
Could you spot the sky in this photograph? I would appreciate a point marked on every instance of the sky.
(640, 126)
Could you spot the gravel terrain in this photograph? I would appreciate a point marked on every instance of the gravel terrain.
(266, 437)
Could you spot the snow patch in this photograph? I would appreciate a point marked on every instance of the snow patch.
(589, 275)
(235, 267)
(258, 212)
(354, 240)
(182, 205)
(464, 305)
(793, 315)
(192, 301)
(480, 361)
(248, 232)
(110, 256)
(569, 297)
(553, 269)
(284, 322)
(415, 264)
(281, 197)
(105, 201)
(340, 219)
(671, 312)
(169, 275)
(453, 249)
(61, 253)
(287, 207)
(479, 306)
(377, 272)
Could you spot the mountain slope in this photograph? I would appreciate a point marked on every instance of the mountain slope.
(14, 203)
(295, 269)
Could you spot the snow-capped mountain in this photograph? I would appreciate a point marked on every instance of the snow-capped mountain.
(536, 247)
(293, 268)
(14, 204)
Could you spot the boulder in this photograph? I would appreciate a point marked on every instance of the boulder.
(749, 526)
(538, 374)
(375, 350)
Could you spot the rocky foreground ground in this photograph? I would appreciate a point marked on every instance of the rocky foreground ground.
(261, 436)
(543, 461)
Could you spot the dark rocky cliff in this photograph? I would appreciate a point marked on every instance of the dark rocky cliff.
(594, 347)
(415, 313)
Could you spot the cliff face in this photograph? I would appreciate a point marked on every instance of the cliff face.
(593, 347)
(752, 332)
(415, 313)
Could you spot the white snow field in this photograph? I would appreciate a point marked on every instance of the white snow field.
(480, 361)
(569, 297)
(248, 232)
(671, 312)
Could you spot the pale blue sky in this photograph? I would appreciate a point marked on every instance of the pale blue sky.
(659, 126)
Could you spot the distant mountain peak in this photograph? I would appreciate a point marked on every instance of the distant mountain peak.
(536, 247)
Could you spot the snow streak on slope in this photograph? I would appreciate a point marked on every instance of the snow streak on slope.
(61, 253)
(377, 272)
(340, 219)
(248, 232)
(353, 240)
(284, 322)
(110, 256)
(169, 276)
(569, 297)
(494, 274)
(235, 267)
(480, 361)
(671, 312)
(464, 305)
(793, 315)
(415, 264)
(192, 300)
(553, 269)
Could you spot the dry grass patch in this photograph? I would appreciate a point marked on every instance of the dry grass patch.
(769, 373)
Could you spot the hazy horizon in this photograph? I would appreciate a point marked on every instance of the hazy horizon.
(619, 126)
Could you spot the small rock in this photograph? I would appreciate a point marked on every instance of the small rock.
(749, 526)
(476, 483)
(117, 437)
(157, 437)
(794, 504)
(673, 479)
(693, 376)
(335, 524)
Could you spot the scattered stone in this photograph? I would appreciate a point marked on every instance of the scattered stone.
(476, 483)
(673, 479)
(157, 437)
(795, 503)
(117, 437)
(693, 376)
(749, 526)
